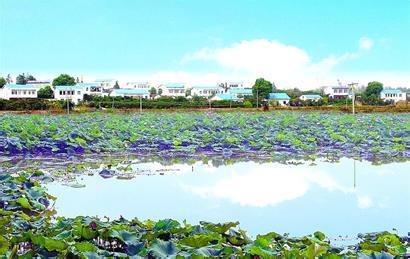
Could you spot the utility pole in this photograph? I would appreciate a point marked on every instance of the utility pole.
(140, 103)
(353, 96)
(257, 98)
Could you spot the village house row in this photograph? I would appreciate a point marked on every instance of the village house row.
(233, 91)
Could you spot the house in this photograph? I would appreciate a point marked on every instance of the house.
(134, 93)
(74, 93)
(92, 89)
(395, 95)
(240, 92)
(224, 97)
(231, 85)
(39, 84)
(206, 91)
(138, 85)
(14, 91)
(106, 83)
(338, 92)
(280, 98)
(173, 89)
(310, 97)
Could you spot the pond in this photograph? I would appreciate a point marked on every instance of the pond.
(343, 198)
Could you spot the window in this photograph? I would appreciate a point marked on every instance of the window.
(78, 92)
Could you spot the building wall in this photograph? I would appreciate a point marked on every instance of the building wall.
(396, 97)
(74, 95)
(205, 92)
(7, 93)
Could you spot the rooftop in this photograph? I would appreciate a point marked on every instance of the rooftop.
(174, 85)
(312, 96)
(225, 97)
(208, 87)
(68, 87)
(131, 91)
(391, 91)
(279, 96)
(240, 91)
(15, 86)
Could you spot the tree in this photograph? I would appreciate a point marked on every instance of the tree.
(371, 94)
(153, 91)
(160, 91)
(77, 80)
(2, 82)
(9, 79)
(46, 92)
(262, 88)
(30, 78)
(116, 86)
(21, 79)
(64, 79)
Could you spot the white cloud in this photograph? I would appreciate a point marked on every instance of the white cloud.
(286, 65)
(366, 43)
(364, 202)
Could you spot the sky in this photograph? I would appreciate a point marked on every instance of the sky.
(303, 44)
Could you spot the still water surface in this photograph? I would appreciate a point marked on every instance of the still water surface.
(342, 198)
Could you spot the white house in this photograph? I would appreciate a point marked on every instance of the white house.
(310, 97)
(74, 93)
(240, 92)
(206, 91)
(395, 95)
(13, 91)
(232, 85)
(39, 84)
(138, 85)
(173, 89)
(91, 89)
(106, 83)
(224, 97)
(134, 93)
(280, 98)
(338, 92)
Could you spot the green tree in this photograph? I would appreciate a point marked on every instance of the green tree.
(2, 82)
(116, 86)
(46, 92)
(21, 79)
(371, 94)
(153, 90)
(160, 91)
(262, 88)
(30, 78)
(64, 79)
(9, 79)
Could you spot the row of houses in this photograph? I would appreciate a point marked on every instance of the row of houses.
(233, 91)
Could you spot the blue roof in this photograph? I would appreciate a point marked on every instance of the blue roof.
(87, 84)
(312, 96)
(340, 86)
(68, 87)
(391, 91)
(240, 91)
(131, 91)
(103, 80)
(15, 86)
(174, 85)
(208, 87)
(279, 96)
(226, 97)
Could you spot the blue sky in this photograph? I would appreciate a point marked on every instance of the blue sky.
(290, 42)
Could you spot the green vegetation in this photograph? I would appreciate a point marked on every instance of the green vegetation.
(46, 93)
(29, 228)
(22, 79)
(371, 94)
(64, 79)
(262, 88)
(2, 82)
(281, 136)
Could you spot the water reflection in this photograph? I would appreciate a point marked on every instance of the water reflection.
(341, 198)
